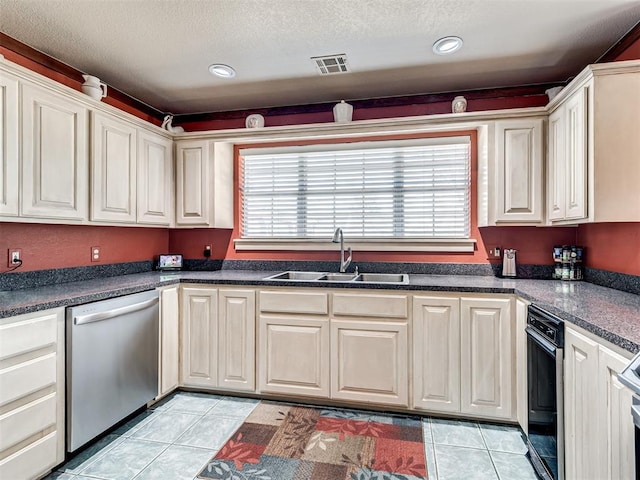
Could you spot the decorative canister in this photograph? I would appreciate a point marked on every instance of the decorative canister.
(459, 104)
(342, 112)
(254, 120)
(93, 87)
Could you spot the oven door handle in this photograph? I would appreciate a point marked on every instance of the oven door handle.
(540, 340)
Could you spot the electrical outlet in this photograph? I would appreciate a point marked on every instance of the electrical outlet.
(495, 252)
(14, 257)
(95, 254)
(207, 251)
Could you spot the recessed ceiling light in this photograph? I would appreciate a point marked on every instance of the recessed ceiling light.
(447, 45)
(222, 71)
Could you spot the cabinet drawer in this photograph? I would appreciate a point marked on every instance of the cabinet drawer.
(25, 378)
(33, 460)
(294, 302)
(379, 306)
(27, 335)
(21, 423)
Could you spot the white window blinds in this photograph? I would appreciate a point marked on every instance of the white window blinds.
(408, 189)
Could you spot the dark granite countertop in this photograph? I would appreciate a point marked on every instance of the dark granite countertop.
(610, 314)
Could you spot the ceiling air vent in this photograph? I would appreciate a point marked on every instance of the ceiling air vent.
(331, 64)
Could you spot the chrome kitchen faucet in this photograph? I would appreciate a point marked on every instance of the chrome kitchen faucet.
(339, 237)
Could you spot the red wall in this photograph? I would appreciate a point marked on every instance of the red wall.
(611, 246)
(58, 246)
(631, 53)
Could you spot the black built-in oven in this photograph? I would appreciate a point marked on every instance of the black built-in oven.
(545, 343)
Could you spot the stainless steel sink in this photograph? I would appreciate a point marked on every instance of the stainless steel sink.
(299, 276)
(397, 278)
(383, 278)
(338, 277)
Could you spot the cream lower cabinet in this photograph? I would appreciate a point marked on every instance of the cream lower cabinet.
(487, 357)
(599, 431)
(169, 340)
(199, 336)
(32, 394)
(293, 351)
(463, 356)
(436, 353)
(369, 348)
(218, 338)
(236, 339)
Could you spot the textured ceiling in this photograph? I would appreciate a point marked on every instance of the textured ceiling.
(158, 50)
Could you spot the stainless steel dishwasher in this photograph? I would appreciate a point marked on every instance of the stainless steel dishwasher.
(112, 363)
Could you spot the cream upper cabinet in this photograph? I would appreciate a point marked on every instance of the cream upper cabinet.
(113, 169)
(487, 357)
(32, 394)
(54, 156)
(199, 336)
(519, 163)
(155, 193)
(236, 339)
(599, 429)
(436, 353)
(567, 172)
(593, 173)
(169, 339)
(204, 184)
(131, 173)
(9, 165)
(293, 350)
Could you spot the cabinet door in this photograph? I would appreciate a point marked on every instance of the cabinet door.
(617, 434)
(436, 353)
(522, 392)
(486, 357)
(8, 145)
(169, 339)
(556, 166)
(113, 170)
(192, 183)
(580, 414)
(576, 155)
(236, 339)
(369, 362)
(199, 336)
(154, 179)
(519, 165)
(294, 355)
(54, 156)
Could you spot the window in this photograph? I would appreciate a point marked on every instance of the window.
(412, 189)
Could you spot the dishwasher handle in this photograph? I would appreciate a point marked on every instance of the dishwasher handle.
(100, 316)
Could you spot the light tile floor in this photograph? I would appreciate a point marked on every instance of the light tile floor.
(175, 438)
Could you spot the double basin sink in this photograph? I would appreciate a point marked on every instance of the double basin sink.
(395, 278)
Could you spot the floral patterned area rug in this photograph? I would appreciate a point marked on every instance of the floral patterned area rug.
(289, 442)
